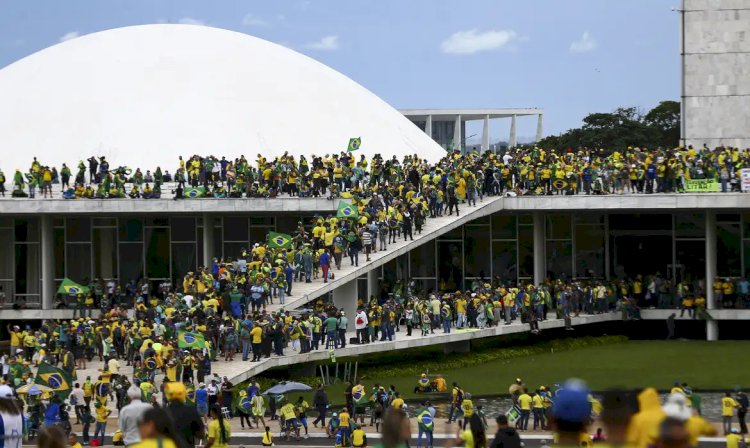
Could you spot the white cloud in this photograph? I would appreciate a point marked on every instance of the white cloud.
(327, 43)
(69, 35)
(251, 20)
(191, 21)
(474, 41)
(583, 45)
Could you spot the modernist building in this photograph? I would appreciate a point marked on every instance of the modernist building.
(715, 72)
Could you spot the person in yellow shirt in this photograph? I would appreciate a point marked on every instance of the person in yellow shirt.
(467, 407)
(257, 337)
(291, 423)
(728, 405)
(397, 402)
(537, 407)
(735, 439)
(73, 441)
(219, 431)
(525, 402)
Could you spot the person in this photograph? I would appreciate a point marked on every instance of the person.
(291, 423)
(102, 416)
(11, 419)
(219, 431)
(267, 439)
(618, 408)
(188, 424)
(467, 408)
(201, 401)
(51, 437)
(73, 441)
(670, 326)
(505, 437)
(259, 410)
(425, 424)
(157, 430)
(728, 405)
(320, 402)
(396, 431)
(130, 415)
(359, 438)
(673, 434)
(524, 402)
(344, 425)
(472, 437)
(77, 401)
(743, 404)
(644, 425)
(735, 440)
(52, 413)
(571, 413)
(301, 410)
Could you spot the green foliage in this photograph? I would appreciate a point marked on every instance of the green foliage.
(624, 127)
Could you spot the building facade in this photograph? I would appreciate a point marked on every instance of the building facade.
(715, 43)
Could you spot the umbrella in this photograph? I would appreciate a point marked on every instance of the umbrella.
(287, 386)
(35, 389)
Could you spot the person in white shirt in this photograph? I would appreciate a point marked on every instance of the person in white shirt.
(360, 324)
(78, 401)
(11, 419)
(130, 415)
(213, 393)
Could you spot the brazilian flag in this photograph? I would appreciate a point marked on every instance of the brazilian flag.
(194, 193)
(190, 394)
(54, 378)
(71, 288)
(279, 240)
(347, 211)
(359, 395)
(243, 403)
(354, 144)
(187, 339)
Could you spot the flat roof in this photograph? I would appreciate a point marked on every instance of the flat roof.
(471, 114)
(631, 202)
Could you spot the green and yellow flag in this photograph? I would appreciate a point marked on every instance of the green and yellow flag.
(279, 240)
(354, 144)
(347, 211)
(71, 288)
(242, 402)
(187, 339)
(54, 378)
(193, 193)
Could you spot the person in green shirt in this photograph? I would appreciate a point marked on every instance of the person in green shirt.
(331, 325)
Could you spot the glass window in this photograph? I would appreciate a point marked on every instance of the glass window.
(183, 229)
(589, 252)
(478, 252)
(7, 262)
(131, 230)
(503, 226)
(28, 269)
(105, 253)
(690, 225)
(262, 221)
(394, 270)
(559, 259)
(157, 222)
(482, 220)
(558, 227)
(589, 218)
(450, 265)
(728, 262)
(235, 229)
(635, 221)
(504, 261)
(157, 252)
(526, 219)
(78, 230)
(59, 235)
(525, 251)
(691, 260)
(27, 230)
(78, 262)
(183, 260)
(259, 234)
(105, 222)
(130, 262)
(233, 250)
(455, 234)
(423, 260)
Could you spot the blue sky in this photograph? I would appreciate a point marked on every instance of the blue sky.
(570, 57)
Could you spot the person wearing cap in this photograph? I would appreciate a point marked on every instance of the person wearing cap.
(188, 423)
(11, 418)
(15, 338)
(201, 401)
(571, 414)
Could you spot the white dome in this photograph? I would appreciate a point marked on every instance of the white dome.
(143, 95)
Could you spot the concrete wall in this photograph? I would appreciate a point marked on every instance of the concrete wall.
(716, 70)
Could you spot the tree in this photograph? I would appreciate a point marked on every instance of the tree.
(624, 127)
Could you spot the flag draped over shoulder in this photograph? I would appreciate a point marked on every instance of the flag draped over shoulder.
(54, 378)
(242, 402)
(354, 144)
(347, 211)
(279, 240)
(186, 339)
(193, 193)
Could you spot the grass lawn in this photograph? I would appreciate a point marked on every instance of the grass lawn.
(703, 365)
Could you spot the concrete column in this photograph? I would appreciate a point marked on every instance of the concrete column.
(540, 265)
(48, 263)
(712, 326)
(512, 139)
(539, 127)
(345, 297)
(428, 126)
(373, 286)
(486, 134)
(208, 239)
(457, 134)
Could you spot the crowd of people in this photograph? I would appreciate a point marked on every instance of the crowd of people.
(532, 170)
